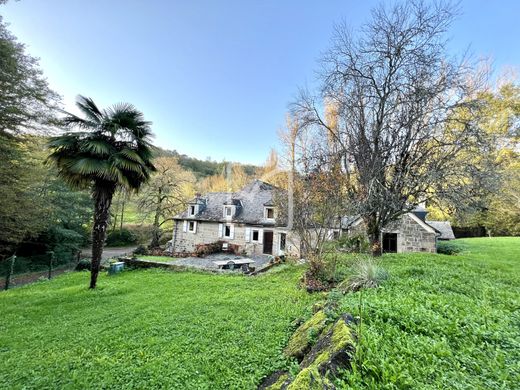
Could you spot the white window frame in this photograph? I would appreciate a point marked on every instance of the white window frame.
(231, 231)
(194, 225)
(266, 213)
(253, 234)
(194, 208)
(231, 211)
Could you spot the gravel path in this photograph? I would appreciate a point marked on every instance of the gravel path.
(109, 253)
(207, 262)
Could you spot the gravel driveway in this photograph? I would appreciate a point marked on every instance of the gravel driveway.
(260, 261)
(109, 253)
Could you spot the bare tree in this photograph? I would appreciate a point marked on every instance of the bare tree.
(314, 200)
(167, 193)
(400, 109)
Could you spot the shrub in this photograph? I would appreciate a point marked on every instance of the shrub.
(141, 250)
(448, 247)
(203, 250)
(84, 264)
(317, 277)
(121, 237)
(353, 244)
(366, 273)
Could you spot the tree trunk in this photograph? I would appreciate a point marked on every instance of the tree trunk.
(122, 213)
(156, 232)
(374, 235)
(103, 193)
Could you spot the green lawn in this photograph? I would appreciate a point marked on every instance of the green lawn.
(438, 322)
(148, 329)
(160, 259)
(443, 321)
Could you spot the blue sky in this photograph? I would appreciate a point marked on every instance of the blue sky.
(214, 77)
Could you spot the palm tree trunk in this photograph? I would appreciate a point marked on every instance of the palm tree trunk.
(103, 193)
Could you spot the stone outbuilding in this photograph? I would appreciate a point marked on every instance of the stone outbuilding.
(410, 233)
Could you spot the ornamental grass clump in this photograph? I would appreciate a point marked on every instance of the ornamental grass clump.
(366, 273)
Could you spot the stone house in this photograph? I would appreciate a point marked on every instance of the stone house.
(246, 219)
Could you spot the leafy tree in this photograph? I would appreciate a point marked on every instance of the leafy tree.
(111, 149)
(167, 192)
(498, 209)
(23, 210)
(26, 101)
(26, 104)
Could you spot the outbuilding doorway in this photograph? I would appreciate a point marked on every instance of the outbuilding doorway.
(389, 242)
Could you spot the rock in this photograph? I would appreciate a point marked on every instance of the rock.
(310, 379)
(302, 339)
(318, 306)
(278, 380)
(334, 349)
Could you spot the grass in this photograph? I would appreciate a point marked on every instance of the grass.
(148, 329)
(160, 259)
(442, 321)
(438, 322)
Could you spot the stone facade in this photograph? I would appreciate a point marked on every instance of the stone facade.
(413, 235)
(207, 232)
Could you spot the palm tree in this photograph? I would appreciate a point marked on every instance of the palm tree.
(108, 149)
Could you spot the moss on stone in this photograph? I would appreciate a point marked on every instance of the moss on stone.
(302, 338)
(278, 385)
(309, 379)
(341, 336)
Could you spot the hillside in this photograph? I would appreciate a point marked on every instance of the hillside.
(202, 168)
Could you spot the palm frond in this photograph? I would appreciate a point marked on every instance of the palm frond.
(89, 109)
(113, 147)
(97, 146)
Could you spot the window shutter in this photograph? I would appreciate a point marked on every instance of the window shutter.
(260, 235)
(195, 227)
(185, 226)
(220, 229)
(248, 234)
(232, 232)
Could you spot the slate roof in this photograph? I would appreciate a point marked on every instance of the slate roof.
(250, 202)
(444, 228)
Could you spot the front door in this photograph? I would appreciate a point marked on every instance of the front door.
(268, 243)
(390, 242)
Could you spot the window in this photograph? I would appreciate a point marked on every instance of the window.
(256, 234)
(283, 240)
(192, 226)
(228, 211)
(192, 210)
(227, 231)
(269, 213)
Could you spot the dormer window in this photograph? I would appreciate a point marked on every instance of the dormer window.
(269, 213)
(228, 211)
(192, 210)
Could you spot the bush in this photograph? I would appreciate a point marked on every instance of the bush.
(317, 277)
(141, 250)
(353, 243)
(203, 250)
(366, 273)
(121, 237)
(84, 264)
(448, 247)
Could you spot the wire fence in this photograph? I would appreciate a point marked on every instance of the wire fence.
(20, 270)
